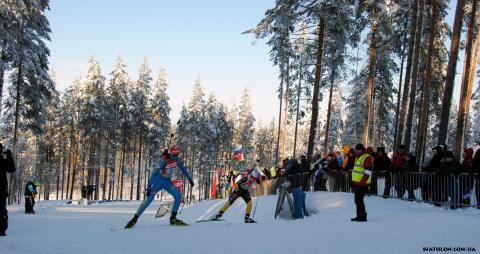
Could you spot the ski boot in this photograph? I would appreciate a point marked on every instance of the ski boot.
(176, 222)
(132, 222)
(217, 216)
(248, 219)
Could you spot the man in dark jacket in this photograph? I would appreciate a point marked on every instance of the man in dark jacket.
(381, 162)
(432, 184)
(411, 178)
(394, 171)
(30, 192)
(6, 166)
(448, 170)
(332, 168)
(304, 164)
(305, 170)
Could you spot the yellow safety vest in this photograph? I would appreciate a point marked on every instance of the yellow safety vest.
(359, 170)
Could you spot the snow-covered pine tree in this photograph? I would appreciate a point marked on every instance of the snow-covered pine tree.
(30, 88)
(160, 115)
(245, 127)
(92, 120)
(440, 58)
(278, 24)
(264, 146)
(139, 105)
(116, 104)
(339, 29)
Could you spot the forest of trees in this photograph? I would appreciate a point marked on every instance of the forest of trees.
(379, 72)
(374, 71)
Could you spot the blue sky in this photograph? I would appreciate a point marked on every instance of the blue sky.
(189, 39)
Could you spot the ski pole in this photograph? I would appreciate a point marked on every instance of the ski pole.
(255, 209)
(181, 209)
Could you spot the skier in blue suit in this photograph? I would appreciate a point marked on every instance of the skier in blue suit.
(161, 179)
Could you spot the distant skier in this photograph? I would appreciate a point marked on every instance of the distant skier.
(241, 188)
(161, 178)
(30, 193)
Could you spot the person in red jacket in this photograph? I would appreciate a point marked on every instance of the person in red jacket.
(398, 164)
(361, 179)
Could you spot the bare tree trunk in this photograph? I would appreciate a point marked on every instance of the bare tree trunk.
(451, 72)
(74, 169)
(122, 167)
(472, 77)
(105, 174)
(397, 112)
(2, 76)
(425, 104)
(462, 109)
(58, 181)
(299, 89)
(408, 71)
(132, 168)
(380, 110)
(97, 168)
(371, 77)
(13, 176)
(70, 159)
(285, 110)
(413, 90)
(139, 170)
(329, 110)
(277, 148)
(64, 159)
(316, 89)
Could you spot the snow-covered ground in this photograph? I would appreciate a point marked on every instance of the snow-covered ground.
(394, 226)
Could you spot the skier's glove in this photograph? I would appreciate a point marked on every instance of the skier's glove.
(8, 153)
(191, 183)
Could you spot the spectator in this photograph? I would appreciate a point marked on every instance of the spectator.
(370, 151)
(476, 171)
(398, 162)
(431, 185)
(339, 157)
(466, 179)
(381, 162)
(7, 165)
(292, 167)
(30, 193)
(348, 164)
(267, 173)
(284, 167)
(332, 167)
(361, 178)
(304, 164)
(318, 183)
(411, 179)
(448, 170)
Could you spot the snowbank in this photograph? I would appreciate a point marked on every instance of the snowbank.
(394, 226)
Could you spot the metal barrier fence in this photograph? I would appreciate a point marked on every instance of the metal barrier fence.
(461, 190)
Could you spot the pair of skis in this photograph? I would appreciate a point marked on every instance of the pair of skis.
(164, 208)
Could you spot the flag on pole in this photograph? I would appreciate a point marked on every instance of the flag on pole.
(238, 153)
(214, 187)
